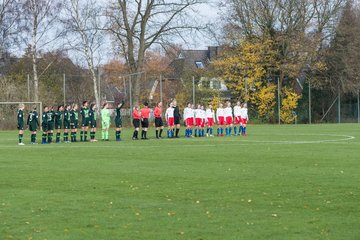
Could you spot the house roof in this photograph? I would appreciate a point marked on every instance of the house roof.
(191, 60)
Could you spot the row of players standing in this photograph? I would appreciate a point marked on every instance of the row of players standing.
(227, 118)
(67, 118)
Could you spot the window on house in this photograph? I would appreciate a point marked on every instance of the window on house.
(199, 64)
(216, 84)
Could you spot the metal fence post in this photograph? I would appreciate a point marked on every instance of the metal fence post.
(193, 83)
(161, 89)
(309, 101)
(279, 109)
(64, 78)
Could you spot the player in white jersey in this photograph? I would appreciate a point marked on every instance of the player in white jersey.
(169, 116)
(228, 114)
(198, 121)
(189, 120)
(202, 116)
(244, 119)
(220, 120)
(237, 118)
(210, 118)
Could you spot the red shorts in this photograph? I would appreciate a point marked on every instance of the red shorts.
(210, 122)
(243, 121)
(189, 122)
(237, 120)
(221, 121)
(199, 122)
(229, 120)
(171, 122)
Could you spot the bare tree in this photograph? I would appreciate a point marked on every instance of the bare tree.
(41, 17)
(138, 25)
(83, 21)
(9, 23)
(299, 28)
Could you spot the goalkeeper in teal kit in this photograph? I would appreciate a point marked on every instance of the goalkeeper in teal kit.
(105, 122)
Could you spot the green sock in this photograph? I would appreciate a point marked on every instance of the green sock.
(106, 135)
(102, 135)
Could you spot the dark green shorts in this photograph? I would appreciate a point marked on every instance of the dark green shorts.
(44, 127)
(58, 126)
(50, 126)
(74, 125)
(66, 125)
(93, 124)
(85, 122)
(20, 126)
(33, 127)
(118, 122)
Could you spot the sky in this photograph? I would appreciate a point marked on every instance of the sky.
(204, 13)
(209, 13)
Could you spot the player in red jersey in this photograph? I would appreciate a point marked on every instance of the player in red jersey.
(136, 122)
(145, 112)
(159, 125)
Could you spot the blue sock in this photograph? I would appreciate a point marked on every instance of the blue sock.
(230, 131)
(240, 130)
(221, 131)
(186, 132)
(218, 131)
(235, 128)
(244, 130)
(210, 131)
(203, 132)
(195, 132)
(227, 131)
(207, 130)
(190, 132)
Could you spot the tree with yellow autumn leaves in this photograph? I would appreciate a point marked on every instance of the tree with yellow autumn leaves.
(248, 70)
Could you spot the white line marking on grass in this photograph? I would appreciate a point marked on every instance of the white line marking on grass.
(191, 141)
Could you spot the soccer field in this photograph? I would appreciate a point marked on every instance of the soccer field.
(279, 182)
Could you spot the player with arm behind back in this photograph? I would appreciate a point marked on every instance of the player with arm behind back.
(74, 121)
(58, 122)
(136, 122)
(159, 125)
(33, 123)
(244, 118)
(237, 118)
(92, 121)
(145, 112)
(20, 123)
(84, 111)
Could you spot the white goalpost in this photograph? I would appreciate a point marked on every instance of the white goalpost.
(6, 117)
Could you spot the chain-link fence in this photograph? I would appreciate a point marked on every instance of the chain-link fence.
(59, 89)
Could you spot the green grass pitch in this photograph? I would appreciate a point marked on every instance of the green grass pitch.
(279, 182)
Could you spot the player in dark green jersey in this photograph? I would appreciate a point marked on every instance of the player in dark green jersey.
(118, 121)
(51, 123)
(44, 125)
(66, 123)
(74, 121)
(84, 121)
(33, 123)
(20, 123)
(58, 122)
(92, 119)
